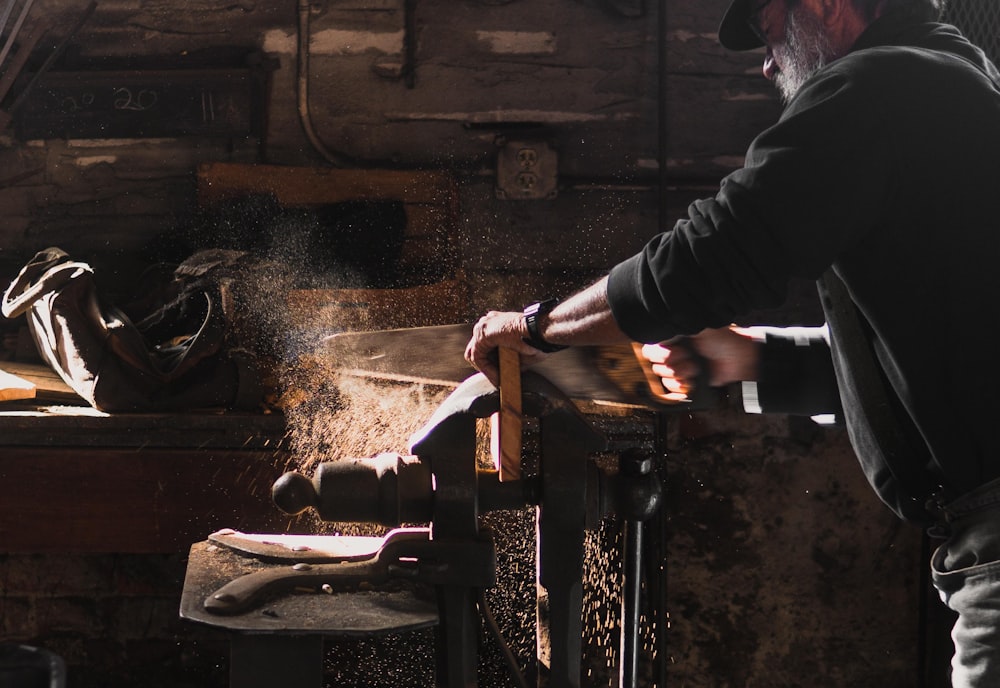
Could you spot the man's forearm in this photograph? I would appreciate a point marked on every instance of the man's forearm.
(584, 318)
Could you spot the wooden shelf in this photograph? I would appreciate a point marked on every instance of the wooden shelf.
(81, 426)
(74, 479)
(91, 500)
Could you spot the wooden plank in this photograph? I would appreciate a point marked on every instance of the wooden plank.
(507, 422)
(13, 387)
(305, 186)
(142, 103)
(83, 426)
(440, 303)
(48, 385)
(115, 500)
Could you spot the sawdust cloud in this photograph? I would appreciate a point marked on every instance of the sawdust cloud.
(332, 417)
(339, 417)
(329, 416)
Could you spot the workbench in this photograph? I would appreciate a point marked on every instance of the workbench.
(75, 480)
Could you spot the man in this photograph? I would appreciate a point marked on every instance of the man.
(879, 181)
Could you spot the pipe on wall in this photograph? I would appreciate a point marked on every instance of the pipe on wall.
(302, 92)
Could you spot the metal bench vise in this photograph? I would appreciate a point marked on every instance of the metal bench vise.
(440, 484)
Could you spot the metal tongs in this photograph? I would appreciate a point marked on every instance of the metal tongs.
(404, 554)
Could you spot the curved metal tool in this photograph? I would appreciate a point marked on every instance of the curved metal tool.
(406, 553)
(245, 592)
(309, 549)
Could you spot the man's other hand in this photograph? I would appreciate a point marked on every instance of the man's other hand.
(729, 352)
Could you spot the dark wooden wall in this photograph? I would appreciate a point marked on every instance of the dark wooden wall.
(581, 76)
(784, 568)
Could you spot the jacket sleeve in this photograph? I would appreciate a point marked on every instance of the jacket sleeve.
(812, 187)
(796, 374)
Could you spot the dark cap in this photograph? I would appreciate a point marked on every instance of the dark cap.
(734, 31)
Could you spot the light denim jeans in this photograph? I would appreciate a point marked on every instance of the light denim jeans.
(966, 572)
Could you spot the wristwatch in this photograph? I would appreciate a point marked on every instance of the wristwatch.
(531, 315)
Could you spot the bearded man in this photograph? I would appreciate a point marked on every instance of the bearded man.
(878, 181)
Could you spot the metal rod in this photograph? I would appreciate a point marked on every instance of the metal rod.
(302, 81)
(51, 59)
(657, 566)
(8, 8)
(20, 59)
(458, 636)
(17, 28)
(628, 673)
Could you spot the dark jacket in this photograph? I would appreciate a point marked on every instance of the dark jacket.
(885, 166)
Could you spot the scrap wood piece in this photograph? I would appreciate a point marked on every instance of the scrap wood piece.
(48, 385)
(13, 387)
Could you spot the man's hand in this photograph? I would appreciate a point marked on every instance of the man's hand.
(496, 329)
(730, 353)
(584, 318)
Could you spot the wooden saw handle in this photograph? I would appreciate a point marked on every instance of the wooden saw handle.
(506, 425)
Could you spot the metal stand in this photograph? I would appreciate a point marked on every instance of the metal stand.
(276, 626)
(639, 502)
(266, 661)
(439, 484)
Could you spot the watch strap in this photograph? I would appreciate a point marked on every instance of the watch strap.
(531, 316)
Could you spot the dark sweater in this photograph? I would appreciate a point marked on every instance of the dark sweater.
(885, 167)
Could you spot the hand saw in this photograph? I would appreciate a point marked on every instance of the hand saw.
(435, 355)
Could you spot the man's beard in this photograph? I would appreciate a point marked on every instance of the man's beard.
(805, 50)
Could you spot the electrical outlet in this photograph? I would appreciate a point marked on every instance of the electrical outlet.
(527, 158)
(527, 170)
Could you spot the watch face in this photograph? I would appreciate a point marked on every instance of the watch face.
(541, 307)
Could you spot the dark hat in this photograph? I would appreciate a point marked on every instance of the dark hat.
(734, 31)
